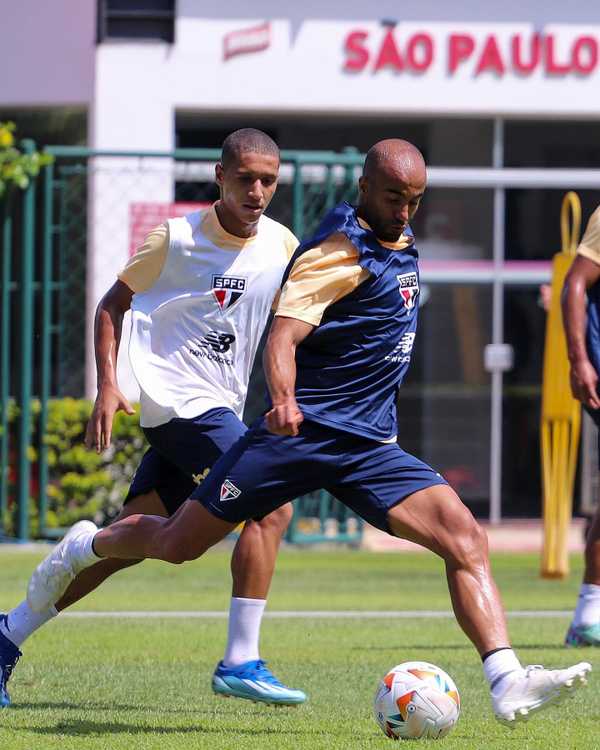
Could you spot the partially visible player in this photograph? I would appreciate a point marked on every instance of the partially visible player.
(200, 289)
(581, 318)
(336, 355)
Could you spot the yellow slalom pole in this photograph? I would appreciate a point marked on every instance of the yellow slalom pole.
(561, 413)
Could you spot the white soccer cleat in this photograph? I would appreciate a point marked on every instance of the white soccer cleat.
(52, 577)
(535, 689)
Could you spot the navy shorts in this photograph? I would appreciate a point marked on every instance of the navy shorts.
(182, 453)
(595, 415)
(263, 471)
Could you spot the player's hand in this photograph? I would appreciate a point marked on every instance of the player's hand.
(284, 418)
(99, 429)
(584, 381)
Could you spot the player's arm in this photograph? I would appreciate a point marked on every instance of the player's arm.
(583, 274)
(108, 324)
(279, 362)
(140, 273)
(317, 279)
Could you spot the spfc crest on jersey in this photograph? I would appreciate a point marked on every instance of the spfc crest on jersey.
(227, 290)
(408, 288)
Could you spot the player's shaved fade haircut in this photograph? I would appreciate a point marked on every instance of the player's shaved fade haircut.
(247, 139)
(393, 151)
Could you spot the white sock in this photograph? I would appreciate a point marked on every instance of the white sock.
(499, 665)
(22, 621)
(83, 551)
(243, 632)
(588, 605)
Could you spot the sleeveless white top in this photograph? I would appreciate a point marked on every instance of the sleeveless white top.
(195, 331)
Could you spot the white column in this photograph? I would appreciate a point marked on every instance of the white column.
(129, 113)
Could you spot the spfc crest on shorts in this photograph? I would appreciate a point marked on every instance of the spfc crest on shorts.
(408, 288)
(229, 491)
(227, 290)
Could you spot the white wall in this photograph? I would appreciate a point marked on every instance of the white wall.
(47, 52)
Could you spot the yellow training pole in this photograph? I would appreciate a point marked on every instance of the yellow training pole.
(561, 413)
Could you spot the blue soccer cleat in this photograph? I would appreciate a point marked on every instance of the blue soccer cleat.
(583, 635)
(255, 682)
(9, 656)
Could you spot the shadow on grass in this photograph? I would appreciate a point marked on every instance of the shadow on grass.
(84, 728)
(416, 647)
(456, 647)
(57, 705)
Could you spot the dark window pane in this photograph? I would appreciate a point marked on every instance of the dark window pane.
(533, 221)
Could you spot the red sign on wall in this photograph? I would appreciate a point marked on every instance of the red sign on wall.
(143, 217)
(526, 54)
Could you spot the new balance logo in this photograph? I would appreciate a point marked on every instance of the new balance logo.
(218, 342)
(229, 491)
(227, 290)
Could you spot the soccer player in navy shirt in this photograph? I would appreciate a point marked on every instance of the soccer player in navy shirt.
(336, 354)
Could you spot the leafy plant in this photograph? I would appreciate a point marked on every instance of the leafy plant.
(16, 166)
(82, 484)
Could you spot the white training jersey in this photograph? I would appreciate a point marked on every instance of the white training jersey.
(196, 329)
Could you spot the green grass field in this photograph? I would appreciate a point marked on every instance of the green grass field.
(112, 683)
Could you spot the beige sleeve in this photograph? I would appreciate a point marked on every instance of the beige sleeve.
(320, 277)
(291, 242)
(143, 269)
(589, 246)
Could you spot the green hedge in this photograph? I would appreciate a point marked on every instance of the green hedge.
(82, 484)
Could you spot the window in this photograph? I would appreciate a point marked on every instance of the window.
(136, 19)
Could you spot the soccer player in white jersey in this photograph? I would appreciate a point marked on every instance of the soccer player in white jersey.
(581, 318)
(200, 290)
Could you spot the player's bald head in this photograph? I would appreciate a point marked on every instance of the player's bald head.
(394, 157)
(247, 140)
(391, 187)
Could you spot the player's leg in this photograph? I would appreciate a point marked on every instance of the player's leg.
(90, 578)
(584, 629)
(436, 518)
(405, 497)
(195, 445)
(22, 621)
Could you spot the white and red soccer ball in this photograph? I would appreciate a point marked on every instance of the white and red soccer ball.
(416, 700)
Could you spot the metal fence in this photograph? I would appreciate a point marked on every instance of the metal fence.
(63, 240)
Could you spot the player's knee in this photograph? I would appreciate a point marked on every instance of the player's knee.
(469, 546)
(178, 549)
(278, 520)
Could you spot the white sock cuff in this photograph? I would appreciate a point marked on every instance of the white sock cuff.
(87, 549)
(500, 664)
(243, 601)
(589, 589)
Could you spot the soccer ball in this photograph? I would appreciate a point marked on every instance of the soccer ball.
(416, 699)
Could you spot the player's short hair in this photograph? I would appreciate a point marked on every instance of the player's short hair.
(247, 139)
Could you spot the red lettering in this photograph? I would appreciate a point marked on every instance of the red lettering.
(490, 58)
(460, 47)
(419, 53)
(535, 48)
(584, 55)
(358, 55)
(552, 66)
(389, 54)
